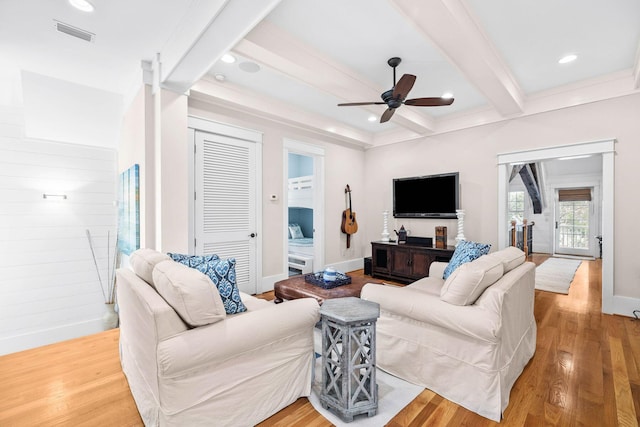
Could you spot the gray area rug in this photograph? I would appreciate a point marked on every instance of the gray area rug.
(393, 395)
(556, 275)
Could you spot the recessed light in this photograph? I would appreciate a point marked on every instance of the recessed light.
(219, 77)
(446, 95)
(228, 58)
(82, 5)
(249, 67)
(372, 118)
(567, 58)
(331, 129)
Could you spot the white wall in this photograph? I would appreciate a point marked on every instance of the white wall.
(473, 152)
(58, 110)
(49, 289)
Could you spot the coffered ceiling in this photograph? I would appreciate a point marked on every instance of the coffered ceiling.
(297, 59)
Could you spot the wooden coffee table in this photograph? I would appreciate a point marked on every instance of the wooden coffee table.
(296, 287)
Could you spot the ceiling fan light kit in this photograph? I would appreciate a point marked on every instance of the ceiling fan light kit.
(396, 96)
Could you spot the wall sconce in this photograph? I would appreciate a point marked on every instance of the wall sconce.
(54, 196)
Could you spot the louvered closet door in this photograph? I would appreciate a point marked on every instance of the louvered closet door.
(225, 203)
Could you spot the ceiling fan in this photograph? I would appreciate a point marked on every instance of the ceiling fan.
(396, 96)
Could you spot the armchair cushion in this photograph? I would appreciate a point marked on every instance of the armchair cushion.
(468, 282)
(189, 292)
(465, 252)
(143, 261)
(511, 257)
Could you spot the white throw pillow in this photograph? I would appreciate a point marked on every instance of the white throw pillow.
(468, 282)
(191, 293)
(295, 231)
(511, 257)
(143, 261)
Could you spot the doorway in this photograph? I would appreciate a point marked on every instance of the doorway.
(604, 148)
(303, 208)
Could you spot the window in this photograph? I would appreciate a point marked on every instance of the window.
(516, 205)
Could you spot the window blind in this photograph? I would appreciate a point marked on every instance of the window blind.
(574, 195)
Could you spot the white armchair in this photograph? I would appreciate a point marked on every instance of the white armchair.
(236, 371)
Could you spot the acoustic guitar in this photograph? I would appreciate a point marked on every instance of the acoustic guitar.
(349, 225)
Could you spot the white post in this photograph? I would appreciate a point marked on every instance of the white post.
(385, 226)
(460, 236)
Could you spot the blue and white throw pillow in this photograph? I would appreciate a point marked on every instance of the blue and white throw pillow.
(222, 273)
(465, 252)
(192, 260)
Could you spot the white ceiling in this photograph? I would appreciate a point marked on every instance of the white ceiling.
(498, 57)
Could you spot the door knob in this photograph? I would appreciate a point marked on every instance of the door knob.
(252, 235)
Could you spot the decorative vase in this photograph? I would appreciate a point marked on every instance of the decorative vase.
(460, 236)
(110, 317)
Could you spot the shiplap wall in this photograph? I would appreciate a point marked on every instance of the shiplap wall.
(49, 288)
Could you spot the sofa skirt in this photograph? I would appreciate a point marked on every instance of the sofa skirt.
(475, 374)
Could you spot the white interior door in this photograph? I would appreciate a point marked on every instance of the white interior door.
(225, 202)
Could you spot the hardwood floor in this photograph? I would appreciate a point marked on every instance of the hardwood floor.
(586, 371)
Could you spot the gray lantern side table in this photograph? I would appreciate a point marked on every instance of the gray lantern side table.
(348, 357)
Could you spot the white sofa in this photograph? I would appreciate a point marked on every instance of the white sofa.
(470, 354)
(188, 363)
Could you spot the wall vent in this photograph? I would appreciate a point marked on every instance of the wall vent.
(74, 31)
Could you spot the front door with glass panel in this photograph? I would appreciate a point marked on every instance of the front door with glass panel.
(573, 226)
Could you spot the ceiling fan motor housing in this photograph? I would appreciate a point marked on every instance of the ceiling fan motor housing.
(388, 98)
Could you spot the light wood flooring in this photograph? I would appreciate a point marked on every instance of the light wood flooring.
(586, 371)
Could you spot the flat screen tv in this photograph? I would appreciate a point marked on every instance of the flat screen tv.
(433, 196)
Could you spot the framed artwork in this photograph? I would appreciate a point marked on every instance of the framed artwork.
(129, 210)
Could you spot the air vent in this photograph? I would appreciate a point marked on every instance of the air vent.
(74, 31)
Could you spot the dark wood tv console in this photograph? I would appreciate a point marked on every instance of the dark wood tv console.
(404, 262)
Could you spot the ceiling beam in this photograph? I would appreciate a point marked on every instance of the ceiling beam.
(279, 50)
(209, 30)
(250, 102)
(450, 26)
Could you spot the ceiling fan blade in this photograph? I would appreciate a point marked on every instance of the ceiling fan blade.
(429, 102)
(387, 115)
(404, 85)
(351, 104)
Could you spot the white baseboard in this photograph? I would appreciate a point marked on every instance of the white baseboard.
(267, 283)
(349, 265)
(624, 306)
(49, 336)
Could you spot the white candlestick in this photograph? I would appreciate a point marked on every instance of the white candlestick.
(460, 236)
(385, 226)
